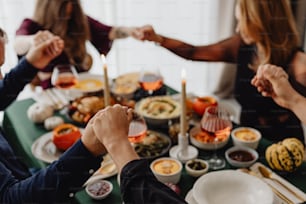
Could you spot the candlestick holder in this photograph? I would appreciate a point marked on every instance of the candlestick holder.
(183, 151)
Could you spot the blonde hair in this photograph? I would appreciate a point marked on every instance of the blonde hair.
(51, 15)
(271, 24)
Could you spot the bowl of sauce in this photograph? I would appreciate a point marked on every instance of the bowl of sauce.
(239, 156)
(167, 170)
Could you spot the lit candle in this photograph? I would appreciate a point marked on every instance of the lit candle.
(183, 104)
(106, 86)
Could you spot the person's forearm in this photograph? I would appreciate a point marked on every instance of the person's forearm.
(298, 106)
(22, 44)
(122, 154)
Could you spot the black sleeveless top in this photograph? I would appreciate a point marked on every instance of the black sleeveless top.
(274, 122)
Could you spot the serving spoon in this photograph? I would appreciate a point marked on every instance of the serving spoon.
(267, 174)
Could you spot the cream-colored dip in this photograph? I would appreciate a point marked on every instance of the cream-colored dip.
(246, 135)
(166, 167)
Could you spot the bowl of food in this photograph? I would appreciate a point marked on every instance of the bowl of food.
(65, 135)
(88, 83)
(240, 156)
(154, 145)
(246, 136)
(196, 167)
(99, 189)
(125, 85)
(167, 170)
(207, 141)
(158, 110)
(201, 103)
(83, 108)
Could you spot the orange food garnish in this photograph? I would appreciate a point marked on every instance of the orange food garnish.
(65, 135)
(201, 103)
(206, 137)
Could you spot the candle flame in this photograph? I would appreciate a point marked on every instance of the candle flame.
(183, 75)
(103, 59)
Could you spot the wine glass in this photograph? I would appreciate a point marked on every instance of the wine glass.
(216, 122)
(64, 76)
(150, 81)
(137, 129)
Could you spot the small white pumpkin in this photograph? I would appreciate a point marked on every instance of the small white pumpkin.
(51, 122)
(38, 112)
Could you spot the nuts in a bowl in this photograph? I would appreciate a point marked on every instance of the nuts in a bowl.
(99, 189)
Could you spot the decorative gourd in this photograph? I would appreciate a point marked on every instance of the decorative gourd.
(38, 112)
(286, 155)
(51, 122)
(65, 135)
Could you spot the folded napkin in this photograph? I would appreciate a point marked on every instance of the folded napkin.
(56, 97)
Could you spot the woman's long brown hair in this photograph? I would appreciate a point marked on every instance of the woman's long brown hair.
(51, 14)
(271, 24)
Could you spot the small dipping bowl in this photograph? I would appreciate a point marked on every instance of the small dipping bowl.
(241, 157)
(99, 189)
(196, 167)
(167, 170)
(246, 136)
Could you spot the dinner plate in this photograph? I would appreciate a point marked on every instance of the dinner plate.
(189, 198)
(231, 187)
(155, 144)
(158, 110)
(89, 82)
(44, 149)
(107, 169)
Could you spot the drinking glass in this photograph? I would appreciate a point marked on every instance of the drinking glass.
(216, 122)
(64, 77)
(150, 81)
(137, 129)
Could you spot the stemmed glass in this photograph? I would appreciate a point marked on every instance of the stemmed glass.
(137, 129)
(150, 81)
(64, 77)
(216, 122)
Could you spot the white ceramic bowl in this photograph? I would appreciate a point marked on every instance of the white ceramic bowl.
(99, 189)
(205, 145)
(196, 167)
(231, 187)
(246, 136)
(167, 170)
(240, 156)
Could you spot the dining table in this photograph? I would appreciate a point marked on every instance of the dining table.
(21, 132)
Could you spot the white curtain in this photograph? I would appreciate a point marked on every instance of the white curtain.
(194, 21)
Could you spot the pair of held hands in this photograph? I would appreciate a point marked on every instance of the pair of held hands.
(108, 129)
(272, 81)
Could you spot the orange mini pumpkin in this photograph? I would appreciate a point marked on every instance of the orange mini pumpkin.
(201, 103)
(65, 135)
